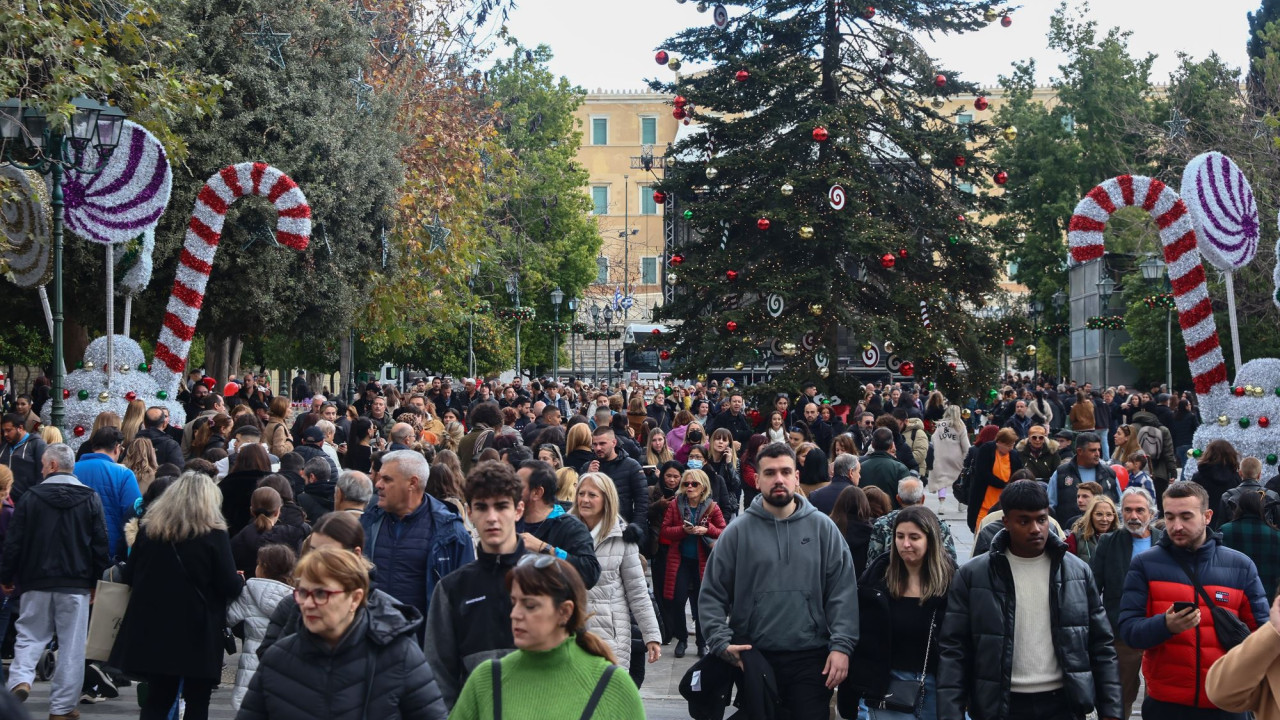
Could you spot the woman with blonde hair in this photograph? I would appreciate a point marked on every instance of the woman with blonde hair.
(690, 528)
(566, 487)
(1125, 444)
(656, 451)
(621, 592)
(182, 577)
(134, 414)
(577, 446)
(344, 661)
(50, 434)
(1099, 518)
(141, 459)
(950, 446)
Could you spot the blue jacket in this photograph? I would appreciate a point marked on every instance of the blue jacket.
(434, 528)
(118, 488)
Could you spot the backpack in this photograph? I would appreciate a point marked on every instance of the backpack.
(960, 488)
(484, 440)
(1151, 441)
(928, 457)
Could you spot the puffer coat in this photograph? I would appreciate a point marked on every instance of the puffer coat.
(976, 643)
(254, 607)
(620, 593)
(377, 670)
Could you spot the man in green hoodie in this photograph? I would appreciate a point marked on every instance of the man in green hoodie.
(780, 580)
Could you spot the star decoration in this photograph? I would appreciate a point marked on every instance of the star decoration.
(363, 91)
(438, 235)
(362, 16)
(261, 233)
(1260, 129)
(1177, 125)
(271, 41)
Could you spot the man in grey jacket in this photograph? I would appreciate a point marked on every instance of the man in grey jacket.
(780, 580)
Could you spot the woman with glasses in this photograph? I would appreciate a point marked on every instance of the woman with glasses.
(182, 576)
(559, 668)
(347, 659)
(689, 530)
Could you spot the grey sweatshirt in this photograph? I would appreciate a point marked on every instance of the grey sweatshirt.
(780, 584)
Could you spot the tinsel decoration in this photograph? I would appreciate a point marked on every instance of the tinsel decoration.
(1163, 301)
(523, 313)
(27, 227)
(127, 197)
(1105, 322)
(134, 259)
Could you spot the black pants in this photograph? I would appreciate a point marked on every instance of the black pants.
(658, 568)
(1042, 706)
(1157, 710)
(748, 495)
(801, 685)
(163, 690)
(688, 584)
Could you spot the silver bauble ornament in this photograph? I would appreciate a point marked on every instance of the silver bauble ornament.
(787, 189)
(712, 173)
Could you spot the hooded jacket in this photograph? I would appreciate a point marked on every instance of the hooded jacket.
(780, 584)
(1164, 467)
(976, 642)
(57, 538)
(1043, 464)
(117, 488)
(316, 499)
(254, 607)
(26, 459)
(376, 671)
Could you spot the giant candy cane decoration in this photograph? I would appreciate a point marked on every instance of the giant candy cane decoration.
(1186, 272)
(293, 229)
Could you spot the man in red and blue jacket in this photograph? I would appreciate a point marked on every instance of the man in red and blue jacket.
(1181, 645)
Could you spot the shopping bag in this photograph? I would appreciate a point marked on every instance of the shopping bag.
(109, 604)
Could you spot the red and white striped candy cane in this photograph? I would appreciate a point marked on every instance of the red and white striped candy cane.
(1186, 272)
(293, 229)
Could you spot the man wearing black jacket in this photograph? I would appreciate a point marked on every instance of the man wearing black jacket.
(735, 421)
(56, 549)
(628, 477)
(547, 528)
(470, 616)
(167, 449)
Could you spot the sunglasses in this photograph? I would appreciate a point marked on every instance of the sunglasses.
(692, 484)
(542, 561)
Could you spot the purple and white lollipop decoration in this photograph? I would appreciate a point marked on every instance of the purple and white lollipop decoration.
(1225, 213)
(127, 198)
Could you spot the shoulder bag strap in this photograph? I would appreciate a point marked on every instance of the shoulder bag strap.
(598, 693)
(368, 681)
(1195, 581)
(187, 575)
(496, 666)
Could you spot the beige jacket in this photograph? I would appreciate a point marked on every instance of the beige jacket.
(1248, 677)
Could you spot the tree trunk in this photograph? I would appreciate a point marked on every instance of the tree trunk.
(344, 366)
(222, 356)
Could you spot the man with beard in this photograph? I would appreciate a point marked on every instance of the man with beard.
(1111, 560)
(785, 561)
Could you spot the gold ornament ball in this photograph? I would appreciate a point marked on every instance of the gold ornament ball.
(966, 413)
(88, 365)
(4, 267)
(866, 346)
(674, 63)
(739, 365)
(1031, 350)
(806, 233)
(787, 189)
(1223, 420)
(124, 369)
(1011, 133)
(815, 309)
(990, 15)
(702, 377)
(926, 159)
(789, 349)
(824, 372)
(889, 346)
(104, 396)
(672, 279)
(938, 103)
(712, 173)
(702, 7)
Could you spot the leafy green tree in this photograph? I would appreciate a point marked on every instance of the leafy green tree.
(1258, 47)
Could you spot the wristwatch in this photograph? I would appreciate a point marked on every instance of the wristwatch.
(547, 549)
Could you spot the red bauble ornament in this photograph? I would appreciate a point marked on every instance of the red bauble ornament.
(907, 368)
(763, 224)
(951, 366)
(66, 394)
(741, 76)
(981, 103)
(131, 396)
(656, 332)
(868, 12)
(960, 161)
(902, 253)
(731, 326)
(820, 134)
(78, 430)
(940, 81)
(1264, 421)
(1008, 342)
(960, 218)
(661, 57)
(1002, 177)
(664, 355)
(659, 197)
(1239, 391)
(677, 259)
(887, 260)
(680, 101)
(1006, 21)
(754, 416)
(678, 113)
(732, 275)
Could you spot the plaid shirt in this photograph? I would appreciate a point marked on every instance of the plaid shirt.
(1261, 542)
(882, 537)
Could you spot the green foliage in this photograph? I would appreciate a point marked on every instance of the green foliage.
(1259, 46)
(22, 344)
(1147, 342)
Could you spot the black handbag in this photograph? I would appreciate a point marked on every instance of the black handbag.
(1230, 629)
(228, 638)
(904, 696)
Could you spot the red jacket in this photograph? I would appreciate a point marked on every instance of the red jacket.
(673, 532)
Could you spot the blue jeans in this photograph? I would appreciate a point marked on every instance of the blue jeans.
(1106, 446)
(926, 708)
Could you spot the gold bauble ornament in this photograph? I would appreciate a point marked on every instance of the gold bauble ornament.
(1223, 420)
(815, 309)
(712, 173)
(787, 189)
(938, 103)
(674, 63)
(990, 15)
(739, 365)
(824, 372)
(104, 396)
(1258, 391)
(789, 349)
(966, 413)
(88, 365)
(806, 233)
(702, 377)
(672, 278)
(1031, 350)
(1011, 133)
(889, 346)
(866, 346)
(926, 159)
(702, 7)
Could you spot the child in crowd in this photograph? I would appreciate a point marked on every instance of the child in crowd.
(1136, 464)
(272, 583)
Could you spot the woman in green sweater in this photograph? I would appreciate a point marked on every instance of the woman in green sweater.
(559, 670)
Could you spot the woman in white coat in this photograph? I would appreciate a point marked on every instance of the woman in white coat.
(621, 590)
(950, 445)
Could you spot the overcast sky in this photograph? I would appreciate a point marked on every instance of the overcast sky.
(609, 44)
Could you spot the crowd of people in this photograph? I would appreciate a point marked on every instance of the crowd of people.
(503, 550)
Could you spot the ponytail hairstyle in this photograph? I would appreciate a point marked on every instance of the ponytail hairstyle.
(219, 423)
(265, 504)
(560, 582)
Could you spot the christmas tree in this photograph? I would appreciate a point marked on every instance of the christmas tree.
(828, 204)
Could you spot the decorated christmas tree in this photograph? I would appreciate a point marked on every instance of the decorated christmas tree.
(826, 207)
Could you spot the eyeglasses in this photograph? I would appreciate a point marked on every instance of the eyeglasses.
(692, 484)
(319, 595)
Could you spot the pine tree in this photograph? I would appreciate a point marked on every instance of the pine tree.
(803, 95)
(1258, 45)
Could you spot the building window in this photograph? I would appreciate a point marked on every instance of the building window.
(600, 200)
(649, 271)
(647, 205)
(599, 131)
(965, 121)
(965, 187)
(649, 130)
(1069, 123)
(602, 270)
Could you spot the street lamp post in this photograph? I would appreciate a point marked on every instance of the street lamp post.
(557, 297)
(1106, 287)
(608, 344)
(1036, 309)
(513, 289)
(1152, 269)
(471, 321)
(1059, 300)
(30, 143)
(595, 352)
(573, 337)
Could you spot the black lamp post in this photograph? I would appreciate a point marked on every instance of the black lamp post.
(1035, 310)
(1106, 287)
(608, 344)
(1059, 300)
(1152, 270)
(595, 321)
(471, 321)
(513, 289)
(557, 297)
(573, 337)
(30, 142)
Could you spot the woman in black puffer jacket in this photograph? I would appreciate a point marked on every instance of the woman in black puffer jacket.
(348, 660)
